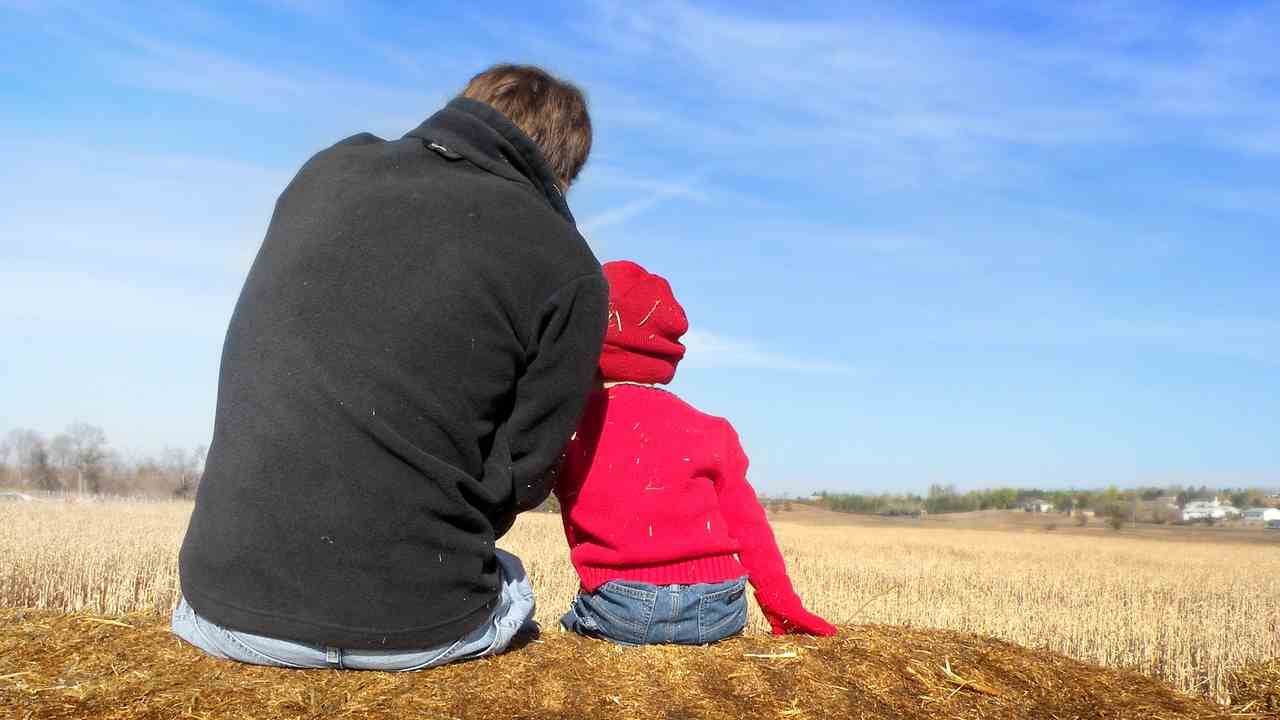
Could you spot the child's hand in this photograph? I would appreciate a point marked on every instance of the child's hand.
(786, 615)
(802, 622)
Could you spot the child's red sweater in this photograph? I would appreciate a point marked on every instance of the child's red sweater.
(652, 490)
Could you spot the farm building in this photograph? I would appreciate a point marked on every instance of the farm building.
(1207, 510)
(1261, 515)
(1035, 505)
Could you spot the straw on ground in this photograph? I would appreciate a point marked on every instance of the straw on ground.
(1185, 613)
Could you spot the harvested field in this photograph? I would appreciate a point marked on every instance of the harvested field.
(55, 666)
(1198, 616)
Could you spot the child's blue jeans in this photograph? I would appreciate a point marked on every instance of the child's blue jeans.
(635, 613)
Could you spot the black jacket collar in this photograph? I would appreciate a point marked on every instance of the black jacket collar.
(487, 138)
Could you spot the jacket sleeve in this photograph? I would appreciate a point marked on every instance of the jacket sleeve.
(758, 550)
(563, 357)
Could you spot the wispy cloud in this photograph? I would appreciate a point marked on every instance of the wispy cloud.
(712, 350)
(1091, 186)
(910, 102)
(134, 54)
(1240, 337)
(1059, 328)
(1257, 201)
(323, 9)
(651, 194)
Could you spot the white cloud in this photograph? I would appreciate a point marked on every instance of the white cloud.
(711, 350)
(652, 195)
(910, 99)
(133, 55)
(1056, 325)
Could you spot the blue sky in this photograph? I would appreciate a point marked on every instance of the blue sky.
(997, 243)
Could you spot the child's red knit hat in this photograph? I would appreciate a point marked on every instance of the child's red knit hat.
(642, 343)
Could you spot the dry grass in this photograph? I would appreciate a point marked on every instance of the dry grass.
(64, 667)
(110, 557)
(1186, 613)
(1256, 689)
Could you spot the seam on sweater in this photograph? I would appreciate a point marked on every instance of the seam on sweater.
(521, 181)
(326, 626)
(516, 178)
(531, 331)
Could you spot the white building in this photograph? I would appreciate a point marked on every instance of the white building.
(1036, 505)
(1207, 510)
(1261, 514)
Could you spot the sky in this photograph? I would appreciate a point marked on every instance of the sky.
(989, 243)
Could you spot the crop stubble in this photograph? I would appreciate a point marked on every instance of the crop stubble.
(1186, 613)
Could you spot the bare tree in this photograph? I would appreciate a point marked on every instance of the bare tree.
(5, 451)
(117, 474)
(185, 467)
(22, 442)
(82, 451)
(180, 467)
(42, 473)
(61, 455)
(198, 456)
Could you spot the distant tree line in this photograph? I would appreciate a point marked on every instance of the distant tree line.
(79, 459)
(1146, 503)
(882, 504)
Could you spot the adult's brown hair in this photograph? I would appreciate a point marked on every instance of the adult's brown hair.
(549, 110)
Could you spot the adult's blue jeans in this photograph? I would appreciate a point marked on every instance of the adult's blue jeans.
(512, 616)
(635, 613)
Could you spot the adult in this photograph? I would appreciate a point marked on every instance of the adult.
(408, 356)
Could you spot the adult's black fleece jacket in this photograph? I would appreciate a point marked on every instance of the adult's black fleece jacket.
(411, 350)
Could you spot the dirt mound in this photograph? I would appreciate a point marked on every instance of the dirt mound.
(1257, 689)
(68, 666)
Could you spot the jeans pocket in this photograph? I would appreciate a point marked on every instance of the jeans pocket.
(621, 612)
(722, 613)
(410, 662)
(259, 650)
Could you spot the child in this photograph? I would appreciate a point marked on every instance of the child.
(663, 527)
